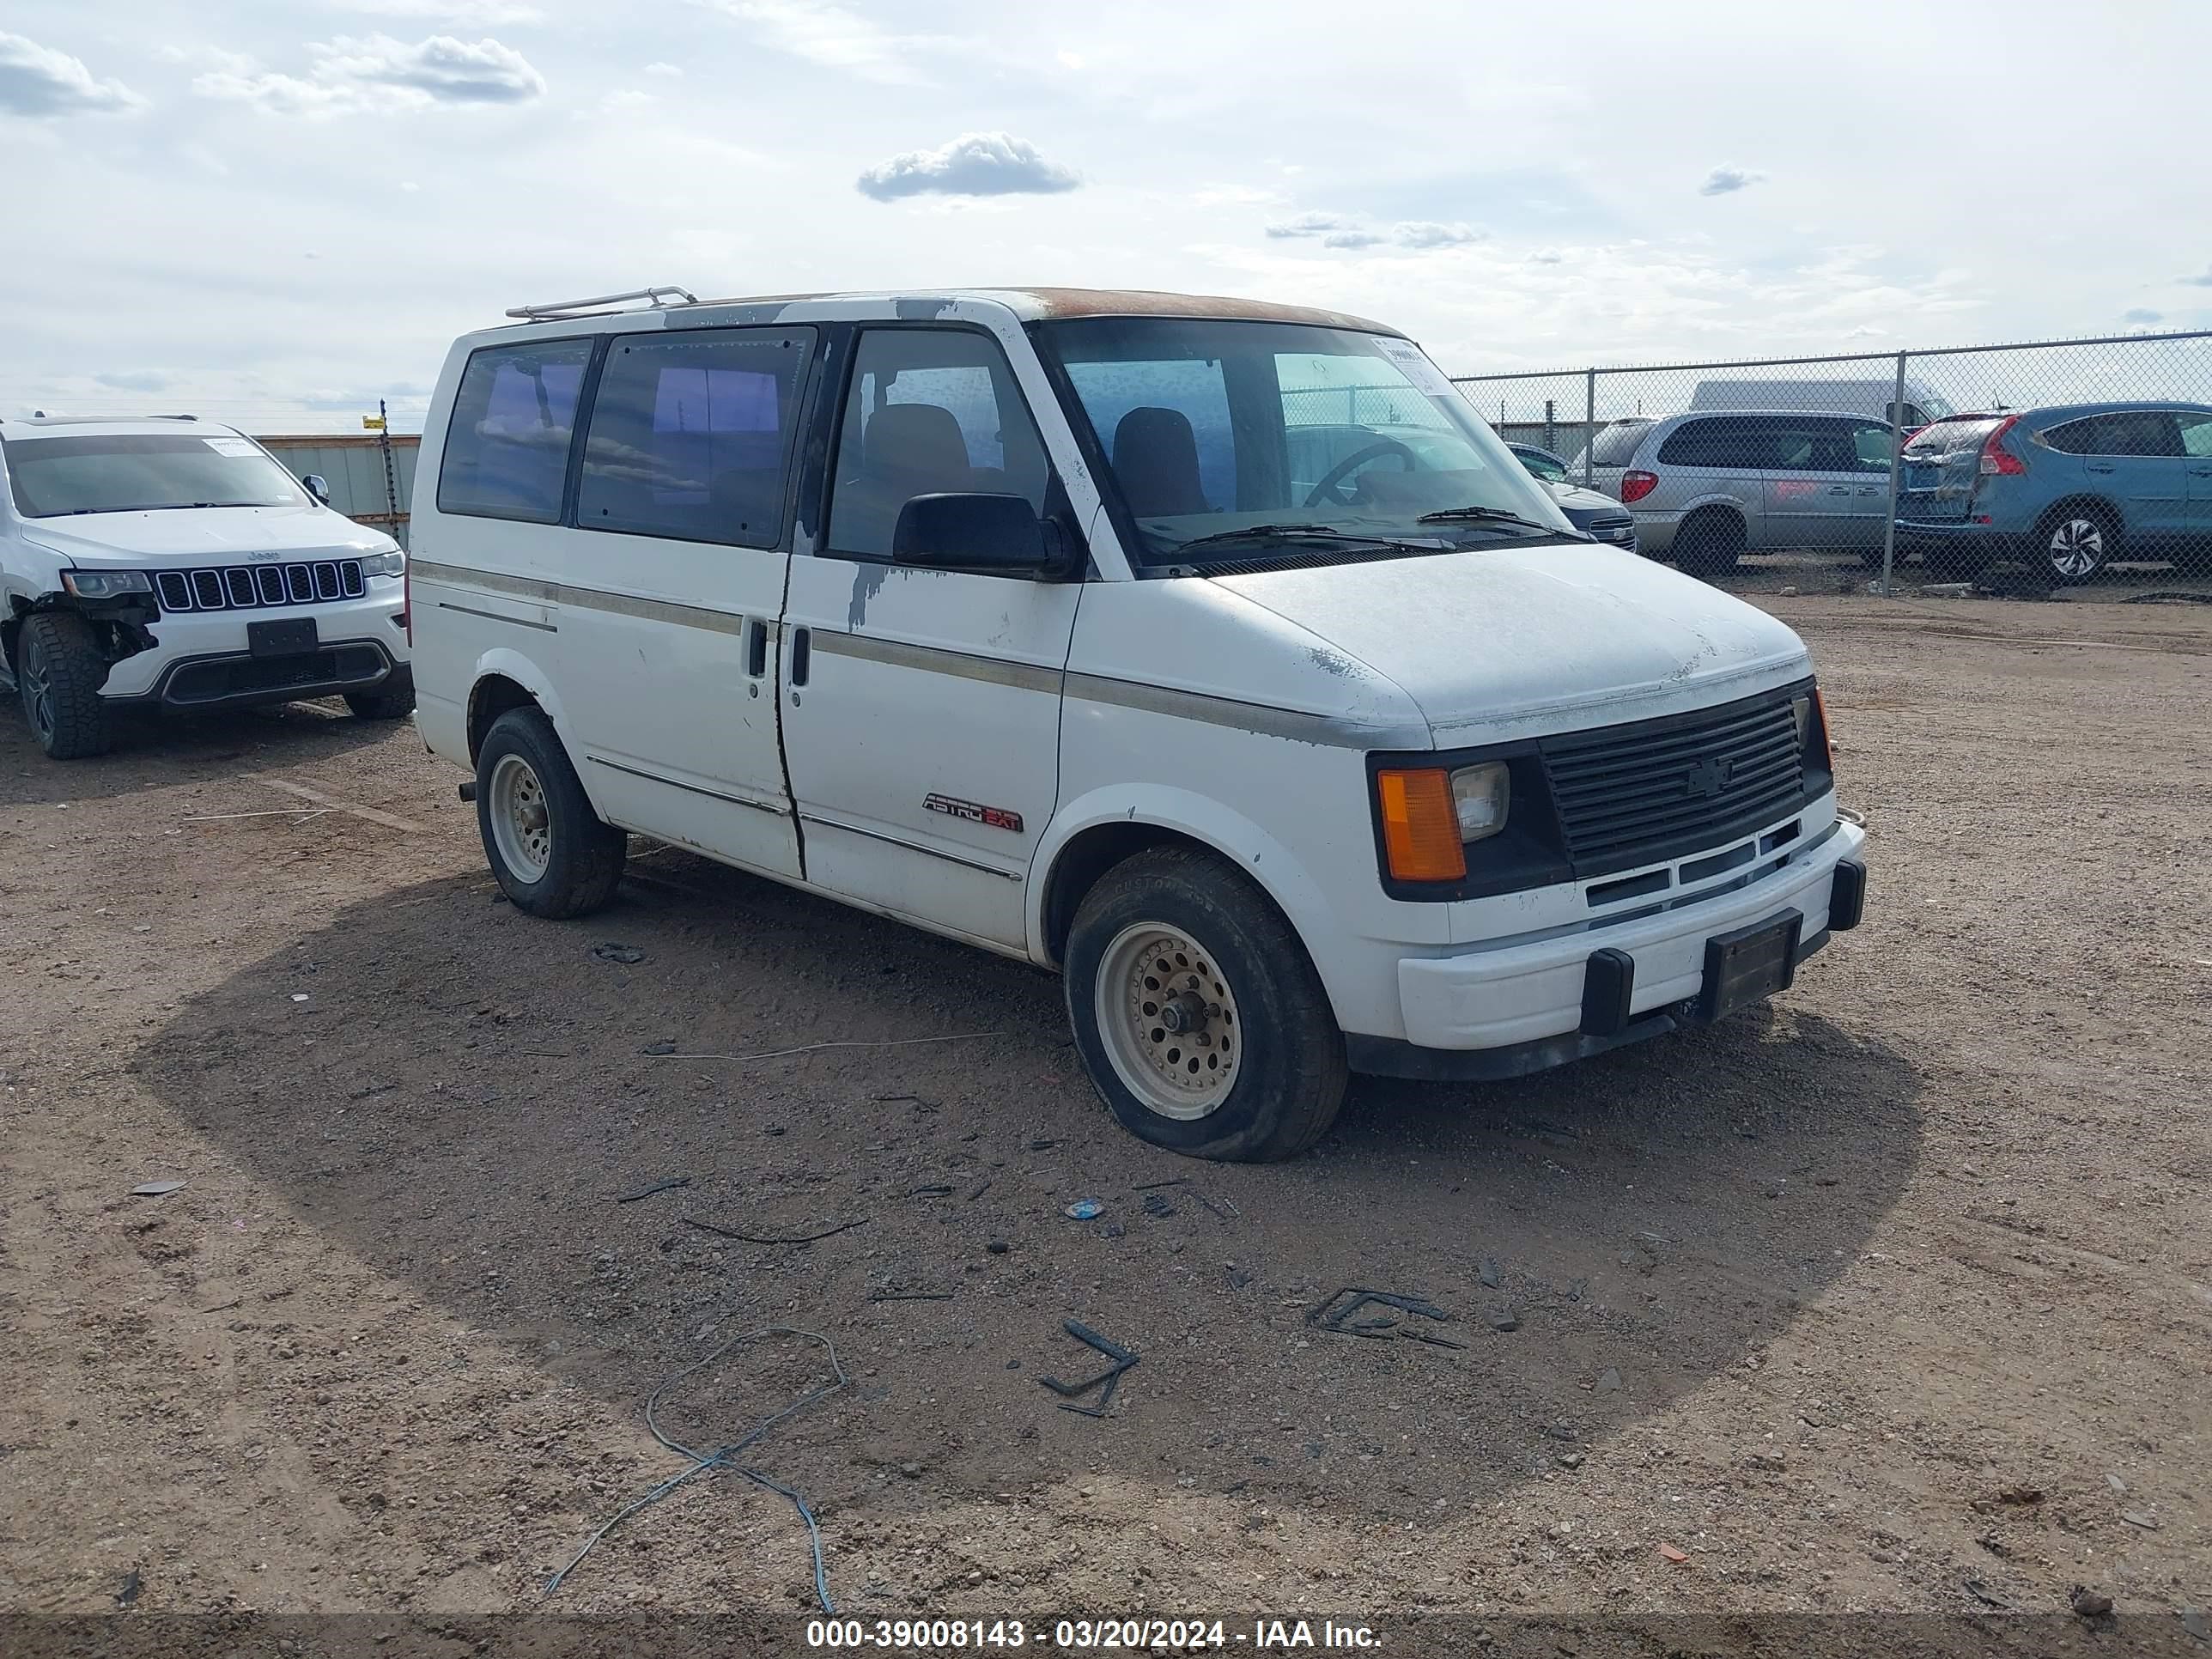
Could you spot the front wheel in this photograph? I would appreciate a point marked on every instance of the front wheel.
(1198, 1014)
(1710, 542)
(59, 672)
(552, 854)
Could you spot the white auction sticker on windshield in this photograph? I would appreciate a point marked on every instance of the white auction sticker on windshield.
(1414, 364)
(229, 446)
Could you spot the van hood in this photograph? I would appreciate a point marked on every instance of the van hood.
(1510, 642)
(204, 535)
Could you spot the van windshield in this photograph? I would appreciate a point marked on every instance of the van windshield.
(143, 472)
(1274, 439)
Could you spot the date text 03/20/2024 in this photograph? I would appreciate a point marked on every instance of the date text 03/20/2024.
(1087, 1635)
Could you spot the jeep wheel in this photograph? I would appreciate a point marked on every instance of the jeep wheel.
(59, 672)
(1708, 543)
(553, 855)
(1197, 1013)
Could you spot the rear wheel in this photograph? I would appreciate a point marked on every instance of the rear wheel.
(1709, 542)
(553, 855)
(59, 672)
(2075, 543)
(1197, 1012)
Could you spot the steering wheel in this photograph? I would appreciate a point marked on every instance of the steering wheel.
(1352, 463)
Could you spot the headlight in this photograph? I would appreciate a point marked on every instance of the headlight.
(1480, 798)
(384, 564)
(106, 584)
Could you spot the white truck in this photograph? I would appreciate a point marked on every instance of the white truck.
(1022, 617)
(173, 564)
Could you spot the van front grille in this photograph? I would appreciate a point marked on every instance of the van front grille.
(1634, 794)
(251, 588)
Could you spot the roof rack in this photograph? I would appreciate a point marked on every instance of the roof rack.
(655, 300)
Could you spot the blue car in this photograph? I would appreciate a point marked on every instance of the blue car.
(2066, 491)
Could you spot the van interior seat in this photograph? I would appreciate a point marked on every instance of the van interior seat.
(907, 450)
(1156, 460)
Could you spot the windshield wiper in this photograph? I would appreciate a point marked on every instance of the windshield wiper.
(1304, 533)
(1487, 515)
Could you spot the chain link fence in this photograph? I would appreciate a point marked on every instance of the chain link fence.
(2053, 463)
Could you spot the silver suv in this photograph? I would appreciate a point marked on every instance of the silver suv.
(1707, 488)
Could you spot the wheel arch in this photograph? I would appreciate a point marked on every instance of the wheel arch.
(1095, 833)
(2085, 503)
(506, 679)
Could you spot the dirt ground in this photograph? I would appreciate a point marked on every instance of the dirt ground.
(1896, 1296)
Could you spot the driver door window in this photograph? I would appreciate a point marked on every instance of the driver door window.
(930, 411)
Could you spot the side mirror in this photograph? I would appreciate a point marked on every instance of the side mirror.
(318, 488)
(972, 531)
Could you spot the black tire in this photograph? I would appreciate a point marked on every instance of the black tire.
(582, 861)
(59, 672)
(1709, 542)
(1289, 1073)
(2075, 543)
(383, 703)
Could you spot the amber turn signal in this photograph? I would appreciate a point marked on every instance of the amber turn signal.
(1420, 826)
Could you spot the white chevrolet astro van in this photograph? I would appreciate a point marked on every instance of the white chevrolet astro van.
(1213, 654)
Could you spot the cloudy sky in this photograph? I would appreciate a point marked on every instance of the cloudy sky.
(278, 212)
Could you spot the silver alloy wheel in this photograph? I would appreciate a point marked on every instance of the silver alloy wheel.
(38, 692)
(2077, 547)
(520, 826)
(1168, 1021)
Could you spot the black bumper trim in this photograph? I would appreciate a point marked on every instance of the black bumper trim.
(164, 693)
(1395, 1057)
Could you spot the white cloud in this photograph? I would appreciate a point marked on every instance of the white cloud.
(353, 75)
(1725, 181)
(1548, 256)
(1308, 224)
(36, 80)
(973, 164)
(2202, 280)
(1335, 230)
(140, 379)
(829, 35)
(459, 13)
(663, 68)
(2142, 314)
(1428, 234)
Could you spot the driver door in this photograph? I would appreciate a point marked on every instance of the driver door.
(922, 707)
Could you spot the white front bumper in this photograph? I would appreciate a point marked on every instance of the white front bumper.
(1509, 992)
(181, 636)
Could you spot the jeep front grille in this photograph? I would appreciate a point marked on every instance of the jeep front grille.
(251, 588)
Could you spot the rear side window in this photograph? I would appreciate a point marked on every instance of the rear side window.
(2124, 432)
(1722, 444)
(689, 436)
(1616, 446)
(506, 442)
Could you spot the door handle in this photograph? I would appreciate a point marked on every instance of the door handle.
(757, 649)
(802, 653)
(2095, 467)
(1840, 489)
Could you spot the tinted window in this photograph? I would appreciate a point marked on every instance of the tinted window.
(930, 410)
(1872, 446)
(2125, 432)
(1726, 444)
(2196, 434)
(690, 435)
(130, 472)
(507, 442)
(1616, 445)
(1543, 466)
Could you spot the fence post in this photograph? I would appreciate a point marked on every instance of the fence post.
(1589, 429)
(1896, 472)
(391, 473)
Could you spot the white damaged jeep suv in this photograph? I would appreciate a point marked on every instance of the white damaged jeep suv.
(171, 563)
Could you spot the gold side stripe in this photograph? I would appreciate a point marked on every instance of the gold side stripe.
(586, 598)
(939, 659)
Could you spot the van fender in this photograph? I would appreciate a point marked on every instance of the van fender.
(1238, 839)
(510, 664)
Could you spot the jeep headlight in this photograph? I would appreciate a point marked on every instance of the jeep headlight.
(384, 564)
(1481, 795)
(106, 584)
